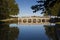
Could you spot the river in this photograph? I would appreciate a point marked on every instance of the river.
(29, 32)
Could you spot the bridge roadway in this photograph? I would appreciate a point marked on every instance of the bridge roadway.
(33, 20)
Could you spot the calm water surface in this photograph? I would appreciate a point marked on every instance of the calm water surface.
(32, 32)
(39, 32)
(29, 32)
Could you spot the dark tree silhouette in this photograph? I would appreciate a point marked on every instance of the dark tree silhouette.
(43, 5)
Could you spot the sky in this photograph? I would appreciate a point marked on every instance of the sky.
(25, 8)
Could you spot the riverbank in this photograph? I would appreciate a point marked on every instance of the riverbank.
(10, 20)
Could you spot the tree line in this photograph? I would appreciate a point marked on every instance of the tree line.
(7, 8)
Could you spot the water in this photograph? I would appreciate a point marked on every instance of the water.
(29, 32)
(32, 32)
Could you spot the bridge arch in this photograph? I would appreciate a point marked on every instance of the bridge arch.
(24, 20)
(29, 20)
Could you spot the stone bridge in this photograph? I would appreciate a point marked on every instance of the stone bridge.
(33, 20)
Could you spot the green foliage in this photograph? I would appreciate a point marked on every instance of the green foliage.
(55, 9)
(8, 7)
(13, 7)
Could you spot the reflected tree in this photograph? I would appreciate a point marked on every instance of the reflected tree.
(53, 32)
(8, 33)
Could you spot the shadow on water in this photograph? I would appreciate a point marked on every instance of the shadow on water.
(8, 33)
(53, 31)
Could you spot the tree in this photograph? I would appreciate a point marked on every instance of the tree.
(8, 7)
(55, 10)
(13, 7)
(48, 7)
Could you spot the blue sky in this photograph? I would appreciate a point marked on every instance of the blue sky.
(25, 8)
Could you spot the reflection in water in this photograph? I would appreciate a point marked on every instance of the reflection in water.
(32, 32)
(53, 32)
(8, 33)
(29, 32)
